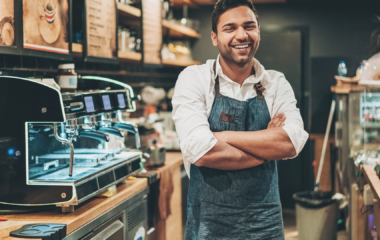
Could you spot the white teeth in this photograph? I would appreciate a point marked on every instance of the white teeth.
(241, 47)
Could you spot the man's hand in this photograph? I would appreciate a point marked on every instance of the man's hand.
(277, 121)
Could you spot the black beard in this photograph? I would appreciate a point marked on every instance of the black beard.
(227, 56)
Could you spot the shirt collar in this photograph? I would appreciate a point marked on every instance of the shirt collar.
(259, 70)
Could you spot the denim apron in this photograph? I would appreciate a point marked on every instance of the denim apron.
(235, 204)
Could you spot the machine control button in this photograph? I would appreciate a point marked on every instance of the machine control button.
(63, 195)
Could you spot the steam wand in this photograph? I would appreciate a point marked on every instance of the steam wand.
(63, 140)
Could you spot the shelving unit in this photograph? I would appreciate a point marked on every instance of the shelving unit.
(128, 13)
(176, 30)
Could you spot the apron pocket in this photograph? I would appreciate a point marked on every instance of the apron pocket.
(264, 221)
(261, 221)
(227, 118)
(221, 221)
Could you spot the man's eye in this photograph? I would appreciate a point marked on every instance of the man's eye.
(228, 29)
(250, 27)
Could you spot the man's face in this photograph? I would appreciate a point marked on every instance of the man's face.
(238, 35)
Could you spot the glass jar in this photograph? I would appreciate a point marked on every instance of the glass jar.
(67, 78)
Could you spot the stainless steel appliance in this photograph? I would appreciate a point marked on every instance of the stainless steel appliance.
(62, 148)
(154, 153)
(155, 156)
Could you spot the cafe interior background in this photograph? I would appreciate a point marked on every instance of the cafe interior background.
(137, 48)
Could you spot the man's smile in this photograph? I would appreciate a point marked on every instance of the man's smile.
(242, 48)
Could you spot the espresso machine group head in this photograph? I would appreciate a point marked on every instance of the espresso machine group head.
(54, 146)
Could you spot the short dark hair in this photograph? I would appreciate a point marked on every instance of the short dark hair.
(223, 6)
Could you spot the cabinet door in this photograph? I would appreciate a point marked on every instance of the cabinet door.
(113, 229)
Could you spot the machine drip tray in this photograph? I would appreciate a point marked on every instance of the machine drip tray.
(83, 172)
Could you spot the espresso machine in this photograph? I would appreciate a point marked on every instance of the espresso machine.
(55, 148)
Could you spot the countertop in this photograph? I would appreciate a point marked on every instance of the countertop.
(373, 180)
(88, 210)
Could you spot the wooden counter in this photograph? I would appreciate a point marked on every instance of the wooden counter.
(171, 228)
(83, 213)
(94, 207)
(374, 182)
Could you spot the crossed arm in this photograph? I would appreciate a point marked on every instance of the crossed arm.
(240, 150)
(234, 150)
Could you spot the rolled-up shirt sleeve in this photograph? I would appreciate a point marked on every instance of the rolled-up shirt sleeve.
(285, 102)
(190, 116)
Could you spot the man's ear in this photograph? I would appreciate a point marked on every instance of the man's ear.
(214, 39)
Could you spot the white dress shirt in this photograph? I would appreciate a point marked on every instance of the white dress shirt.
(194, 96)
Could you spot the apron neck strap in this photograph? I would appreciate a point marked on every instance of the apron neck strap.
(216, 86)
(258, 86)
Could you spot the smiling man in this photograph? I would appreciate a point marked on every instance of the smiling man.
(234, 119)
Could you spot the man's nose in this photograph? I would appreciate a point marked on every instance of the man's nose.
(241, 34)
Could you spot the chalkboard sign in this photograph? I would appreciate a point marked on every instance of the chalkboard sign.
(100, 43)
(152, 32)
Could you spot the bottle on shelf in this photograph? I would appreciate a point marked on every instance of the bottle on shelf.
(342, 69)
(123, 41)
(67, 77)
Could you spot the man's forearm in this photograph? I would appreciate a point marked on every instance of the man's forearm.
(226, 157)
(269, 144)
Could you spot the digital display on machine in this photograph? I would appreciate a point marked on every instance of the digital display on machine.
(89, 104)
(121, 100)
(106, 102)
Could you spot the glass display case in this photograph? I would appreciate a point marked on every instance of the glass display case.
(348, 137)
(357, 133)
(365, 145)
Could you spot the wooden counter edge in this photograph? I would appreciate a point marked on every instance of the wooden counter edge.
(372, 179)
(106, 204)
(81, 216)
(91, 209)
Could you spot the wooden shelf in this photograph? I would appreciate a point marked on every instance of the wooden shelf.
(176, 30)
(213, 2)
(77, 48)
(128, 11)
(123, 56)
(204, 2)
(180, 3)
(130, 56)
(197, 3)
(176, 63)
(136, 57)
